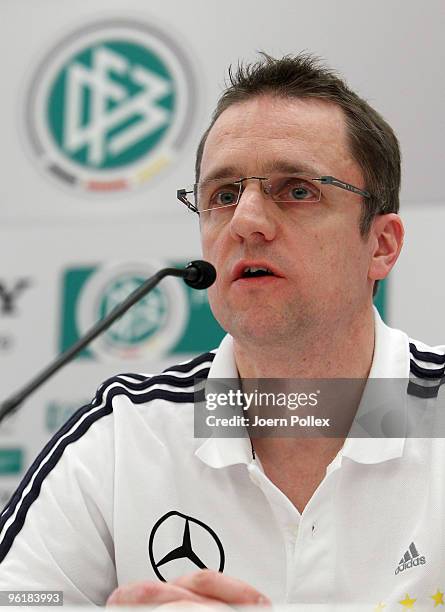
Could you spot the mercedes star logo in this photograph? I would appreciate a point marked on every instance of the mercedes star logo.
(206, 551)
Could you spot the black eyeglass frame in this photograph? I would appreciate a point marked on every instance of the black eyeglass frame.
(181, 194)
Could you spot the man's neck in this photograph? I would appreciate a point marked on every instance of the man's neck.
(294, 464)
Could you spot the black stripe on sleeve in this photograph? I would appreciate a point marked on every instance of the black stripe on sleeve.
(426, 372)
(424, 391)
(10, 507)
(161, 379)
(186, 367)
(121, 388)
(33, 494)
(426, 355)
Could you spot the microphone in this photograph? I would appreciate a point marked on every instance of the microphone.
(197, 274)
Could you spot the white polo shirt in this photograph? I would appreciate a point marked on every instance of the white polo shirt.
(124, 492)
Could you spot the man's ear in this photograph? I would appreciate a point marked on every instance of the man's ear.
(386, 240)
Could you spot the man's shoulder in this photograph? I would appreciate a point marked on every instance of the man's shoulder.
(121, 398)
(426, 361)
(426, 369)
(175, 384)
(95, 426)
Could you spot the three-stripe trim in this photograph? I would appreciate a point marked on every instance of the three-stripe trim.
(175, 384)
(428, 375)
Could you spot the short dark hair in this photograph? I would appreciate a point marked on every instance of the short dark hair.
(372, 141)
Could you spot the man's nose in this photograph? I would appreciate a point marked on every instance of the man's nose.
(254, 214)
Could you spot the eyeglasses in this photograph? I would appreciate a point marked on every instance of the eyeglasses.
(217, 194)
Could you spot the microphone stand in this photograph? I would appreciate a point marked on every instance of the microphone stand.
(189, 274)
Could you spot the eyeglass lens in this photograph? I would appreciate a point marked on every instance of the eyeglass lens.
(210, 195)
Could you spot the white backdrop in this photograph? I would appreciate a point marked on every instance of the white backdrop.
(64, 242)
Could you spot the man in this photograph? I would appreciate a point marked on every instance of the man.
(297, 196)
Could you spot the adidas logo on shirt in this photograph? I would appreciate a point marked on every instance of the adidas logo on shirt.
(410, 559)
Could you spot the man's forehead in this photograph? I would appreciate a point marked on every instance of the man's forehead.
(271, 115)
(279, 133)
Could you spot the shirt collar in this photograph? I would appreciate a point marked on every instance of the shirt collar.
(222, 452)
(390, 360)
(391, 351)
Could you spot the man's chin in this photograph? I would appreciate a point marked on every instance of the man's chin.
(260, 330)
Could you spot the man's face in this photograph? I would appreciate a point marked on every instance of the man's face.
(319, 258)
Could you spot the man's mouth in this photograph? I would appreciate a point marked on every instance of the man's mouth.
(256, 269)
(253, 272)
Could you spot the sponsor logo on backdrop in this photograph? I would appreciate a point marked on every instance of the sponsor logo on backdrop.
(110, 105)
(172, 319)
(10, 294)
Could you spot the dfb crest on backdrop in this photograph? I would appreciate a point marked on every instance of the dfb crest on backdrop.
(110, 105)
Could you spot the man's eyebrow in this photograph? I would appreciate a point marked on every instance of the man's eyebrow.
(276, 166)
(292, 168)
(221, 173)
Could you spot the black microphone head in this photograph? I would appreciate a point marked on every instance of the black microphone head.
(199, 274)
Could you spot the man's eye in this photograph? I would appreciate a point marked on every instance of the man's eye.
(297, 190)
(225, 197)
